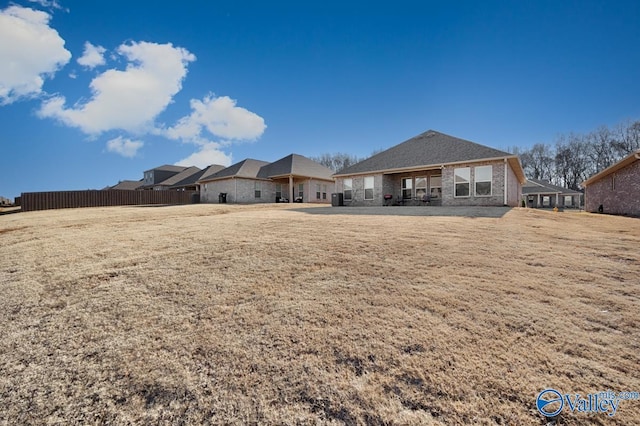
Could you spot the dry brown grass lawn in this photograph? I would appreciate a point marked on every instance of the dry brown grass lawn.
(264, 315)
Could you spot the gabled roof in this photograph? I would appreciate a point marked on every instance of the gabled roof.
(248, 168)
(537, 186)
(430, 148)
(295, 165)
(628, 160)
(184, 174)
(127, 185)
(168, 168)
(212, 169)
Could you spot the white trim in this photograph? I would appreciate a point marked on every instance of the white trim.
(506, 180)
(364, 185)
(475, 182)
(468, 182)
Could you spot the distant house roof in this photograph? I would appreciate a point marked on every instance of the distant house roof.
(248, 168)
(628, 160)
(212, 169)
(537, 186)
(178, 177)
(127, 185)
(430, 149)
(295, 165)
(168, 168)
(191, 180)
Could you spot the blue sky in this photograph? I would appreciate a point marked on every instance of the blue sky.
(97, 92)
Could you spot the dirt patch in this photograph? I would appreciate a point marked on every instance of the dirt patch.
(209, 314)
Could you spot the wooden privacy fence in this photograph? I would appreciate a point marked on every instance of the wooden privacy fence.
(93, 198)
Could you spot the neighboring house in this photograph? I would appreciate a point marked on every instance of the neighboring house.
(292, 178)
(542, 194)
(616, 189)
(154, 177)
(127, 185)
(435, 168)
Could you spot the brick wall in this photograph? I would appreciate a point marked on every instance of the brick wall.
(623, 198)
(497, 187)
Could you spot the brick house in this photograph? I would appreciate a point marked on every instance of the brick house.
(292, 178)
(538, 193)
(616, 189)
(437, 169)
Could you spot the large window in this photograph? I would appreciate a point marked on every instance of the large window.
(347, 188)
(278, 191)
(324, 192)
(421, 187)
(301, 191)
(258, 189)
(483, 177)
(407, 188)
(461, 179)
(436, 187)
(568, 200)
(368, 188)
(318, 191)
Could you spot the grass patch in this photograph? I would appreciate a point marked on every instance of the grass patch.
(264, 314)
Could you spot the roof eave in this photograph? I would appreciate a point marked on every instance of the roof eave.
(630, 159)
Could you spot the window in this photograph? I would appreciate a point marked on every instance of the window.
(483, 177)
(546, 201)
(407, 188)
(461, 181)
(347, 188)
(568, 200)
(258, 189)
(436, 187)
(318, 191)
(278, 191)
(324, 192)
(613, 182)
(368, 188)
(421, 187)
(301, 191)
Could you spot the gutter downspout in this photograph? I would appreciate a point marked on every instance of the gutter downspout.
(506, 174)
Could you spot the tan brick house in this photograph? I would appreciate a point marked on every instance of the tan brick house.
(292, 178)
(437, 169)
(616, 189)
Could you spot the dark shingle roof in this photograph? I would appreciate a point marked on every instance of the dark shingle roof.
(168, 168)
(427, 149)
(537, 186)
(184, 174)
(212, 169)
(127, 185)
(296, 165)
(248, 168)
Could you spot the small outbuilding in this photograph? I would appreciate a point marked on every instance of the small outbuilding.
(616, 189)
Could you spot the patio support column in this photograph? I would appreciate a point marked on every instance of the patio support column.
(291, 194)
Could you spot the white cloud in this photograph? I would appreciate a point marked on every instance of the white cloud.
(30, 50)
(47, 3)
(131, 99)
(125, 147)
(93, 56)
(209, 153)
(219, 116)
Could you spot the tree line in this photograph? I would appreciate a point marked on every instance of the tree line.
(575, 156)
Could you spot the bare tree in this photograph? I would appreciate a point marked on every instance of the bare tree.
(336, 161)
(627, 138)
(538, 162)
(572, 164)
(600, 148)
